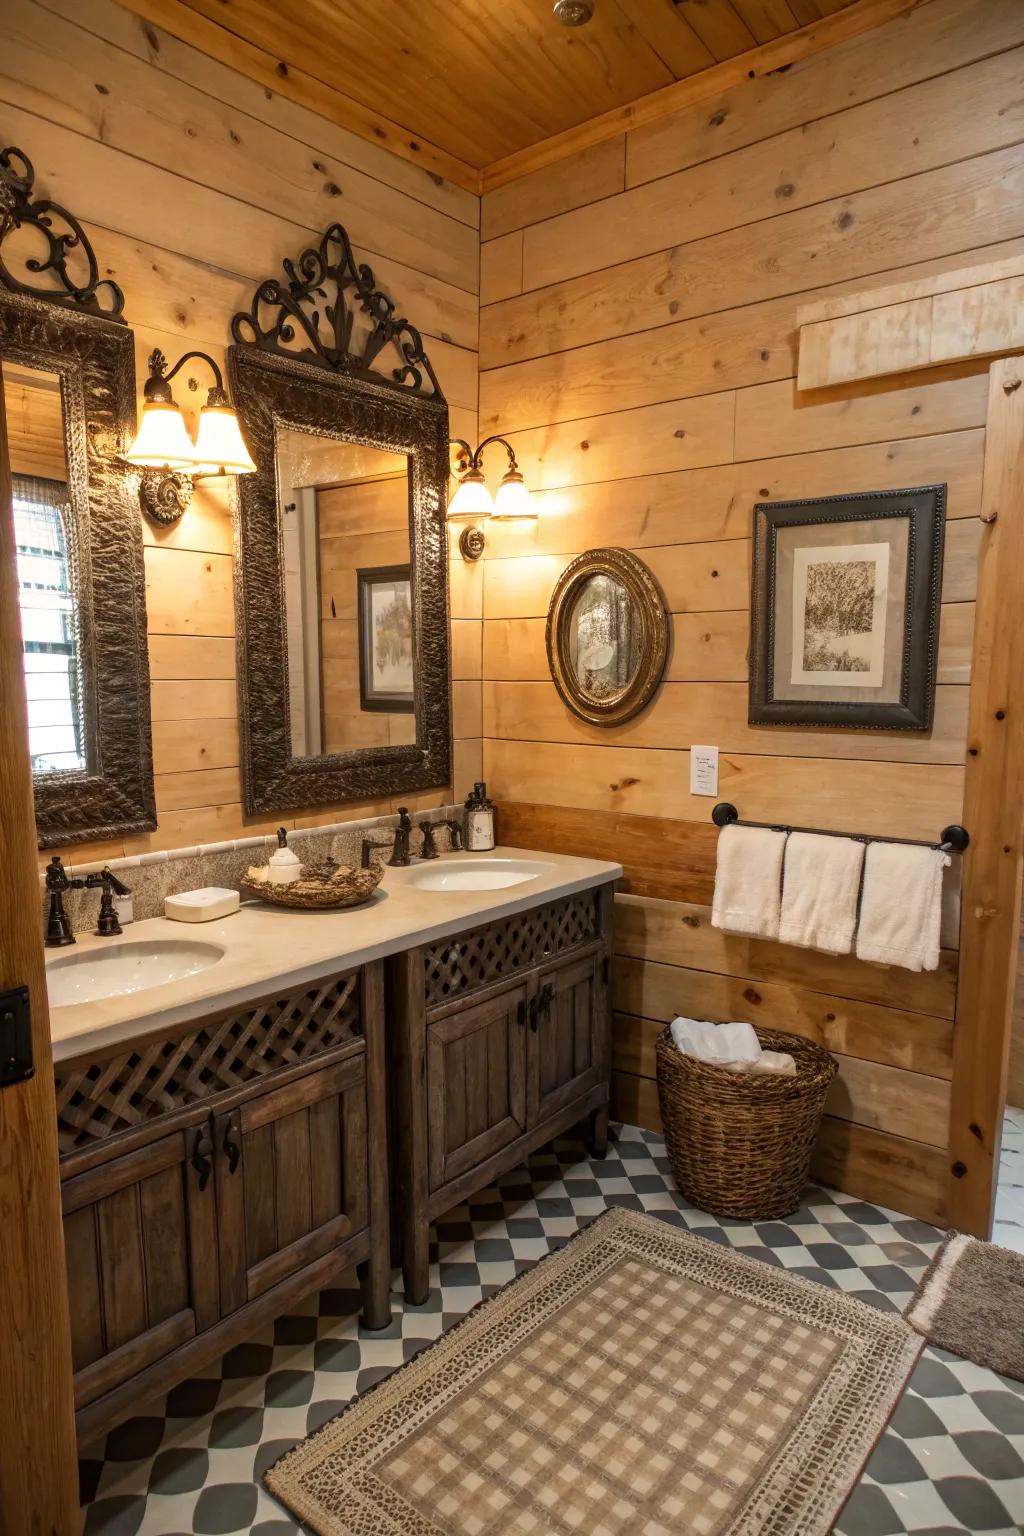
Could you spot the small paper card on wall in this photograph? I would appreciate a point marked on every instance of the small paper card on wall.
(703, 770)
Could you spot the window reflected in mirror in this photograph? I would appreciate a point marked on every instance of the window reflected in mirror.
(344, 515)
(603, 637)
(47, 569)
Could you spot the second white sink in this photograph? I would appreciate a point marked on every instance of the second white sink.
(477, 874)
(91, 974)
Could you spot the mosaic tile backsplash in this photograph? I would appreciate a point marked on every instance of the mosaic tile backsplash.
(152, 876)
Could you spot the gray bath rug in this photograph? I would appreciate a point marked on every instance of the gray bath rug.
(639, 1380)
(971, 1302)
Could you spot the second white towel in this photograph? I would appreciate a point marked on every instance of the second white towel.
(819, 892)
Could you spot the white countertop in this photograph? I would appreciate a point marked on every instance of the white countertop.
(267, 947)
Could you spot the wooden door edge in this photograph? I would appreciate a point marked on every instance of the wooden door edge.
(994, 817)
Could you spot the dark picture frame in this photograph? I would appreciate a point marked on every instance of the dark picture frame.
(372, 698)
(801, 675)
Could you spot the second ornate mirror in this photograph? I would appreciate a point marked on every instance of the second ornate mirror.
(607, 636)
(341, 592)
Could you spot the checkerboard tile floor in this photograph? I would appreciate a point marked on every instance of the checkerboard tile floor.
(952, 1459)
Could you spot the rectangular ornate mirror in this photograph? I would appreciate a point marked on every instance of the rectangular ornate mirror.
(341, 559)
(67, 360)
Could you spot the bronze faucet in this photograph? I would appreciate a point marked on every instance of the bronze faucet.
(58, 925)
(399, 848)
(454, 835)
(428, 848)
(108, 925)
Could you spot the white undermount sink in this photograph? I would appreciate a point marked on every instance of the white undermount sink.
(477, 873)
(92, 974)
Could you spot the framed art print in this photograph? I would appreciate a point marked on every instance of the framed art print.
(385, 639)
(844, 615)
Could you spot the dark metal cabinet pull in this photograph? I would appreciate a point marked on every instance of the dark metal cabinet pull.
(202, 1146)
(232, 1151)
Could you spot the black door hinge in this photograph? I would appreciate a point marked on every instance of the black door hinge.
(16, 1064)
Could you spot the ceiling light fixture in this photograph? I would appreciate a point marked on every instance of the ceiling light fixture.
(164, 450)
(573, 13)
(472, 499)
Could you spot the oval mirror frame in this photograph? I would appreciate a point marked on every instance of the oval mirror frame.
(622, 567)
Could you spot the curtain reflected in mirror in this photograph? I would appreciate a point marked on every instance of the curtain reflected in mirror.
(344, 516)
(47, 569)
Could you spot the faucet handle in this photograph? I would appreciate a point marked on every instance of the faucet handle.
(117, 886)
(56, 875)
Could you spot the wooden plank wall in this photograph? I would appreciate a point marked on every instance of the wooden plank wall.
(195, 183)
(637, 342)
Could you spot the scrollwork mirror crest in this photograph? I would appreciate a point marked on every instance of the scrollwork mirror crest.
(68, 355)
(325, 292)
(606, 636)
(341, 565)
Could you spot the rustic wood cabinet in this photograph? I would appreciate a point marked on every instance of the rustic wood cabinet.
(214, 1174)
(499, 1041)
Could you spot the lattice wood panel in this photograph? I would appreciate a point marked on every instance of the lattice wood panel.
(456, 966)
(98, 1100)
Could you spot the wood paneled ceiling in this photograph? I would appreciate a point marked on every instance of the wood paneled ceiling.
(464, 85)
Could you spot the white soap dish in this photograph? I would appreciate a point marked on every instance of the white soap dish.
(201, 906)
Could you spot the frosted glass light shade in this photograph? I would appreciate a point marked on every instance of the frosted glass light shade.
(162, 441)
(513, 498)
(220, 448)
(472, 499)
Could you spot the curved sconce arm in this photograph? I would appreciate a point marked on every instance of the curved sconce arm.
(158, 385)
(472, 497)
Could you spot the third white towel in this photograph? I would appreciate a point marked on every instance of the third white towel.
(901, 909)
(819, 892)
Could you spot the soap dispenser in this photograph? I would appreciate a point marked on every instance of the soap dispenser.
(284, 866)
(479, 821)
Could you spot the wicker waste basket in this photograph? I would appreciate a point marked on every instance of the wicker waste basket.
(740, 1144)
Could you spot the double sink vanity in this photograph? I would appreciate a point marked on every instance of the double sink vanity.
(248, 1108)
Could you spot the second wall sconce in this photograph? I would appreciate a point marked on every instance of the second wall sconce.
(472, 499)
(163, 448)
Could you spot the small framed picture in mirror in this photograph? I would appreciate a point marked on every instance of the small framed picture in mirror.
(385, 639)
(845, 610)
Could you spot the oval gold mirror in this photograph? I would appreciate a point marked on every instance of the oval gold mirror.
(607, 636)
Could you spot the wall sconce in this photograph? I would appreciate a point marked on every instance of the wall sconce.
(164, 450)
(472, 499)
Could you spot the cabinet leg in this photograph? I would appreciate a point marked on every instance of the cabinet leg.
(599, 1131)
(375, 1278)
(416, 1262)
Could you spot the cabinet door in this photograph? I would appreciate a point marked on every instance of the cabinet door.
(476, 1091)
(291, 1178)
(566, 1023)
(141, 1252)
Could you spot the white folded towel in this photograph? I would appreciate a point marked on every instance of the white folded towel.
(725, 1044)
(769, 1064)
(901, 908)
(748, 881)
(819, 892)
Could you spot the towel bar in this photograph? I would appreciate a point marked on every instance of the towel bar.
(955, 839)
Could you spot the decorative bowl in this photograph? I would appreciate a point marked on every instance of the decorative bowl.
(319, 888)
